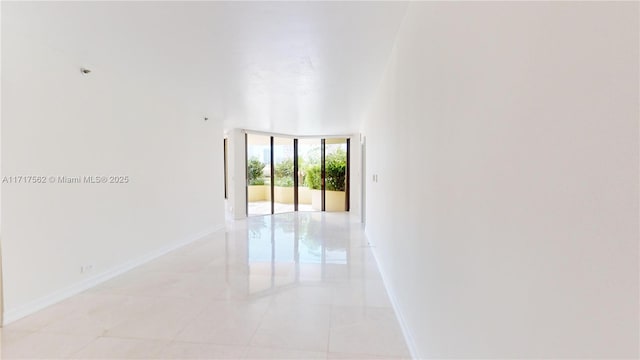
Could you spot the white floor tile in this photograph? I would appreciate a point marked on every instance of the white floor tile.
(225, 323)
(116, 348)
(182, 350)
(166, 319)
(289, 286)
(299, 327)
(366, 330)
(272, 353)
(363, 357)
(101, 313)
(41, 345)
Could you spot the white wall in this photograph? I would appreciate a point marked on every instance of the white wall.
(237, 199)
(128, 117)
(1, 286)
(505, 218)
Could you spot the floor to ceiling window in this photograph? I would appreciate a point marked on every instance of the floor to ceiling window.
(283, 176)
(335, 169)
(258, 174)
(308, 174)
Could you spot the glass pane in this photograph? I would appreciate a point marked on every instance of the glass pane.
(258, 174)
(283, 174)
(309, 180)
(335, 174)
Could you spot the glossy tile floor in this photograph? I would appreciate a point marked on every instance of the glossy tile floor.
(264, 208)
(301, 286)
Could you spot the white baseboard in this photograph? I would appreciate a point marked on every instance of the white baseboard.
(394, 303)
(62, 294)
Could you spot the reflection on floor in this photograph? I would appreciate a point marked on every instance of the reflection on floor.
(264, 208)
(293, 285)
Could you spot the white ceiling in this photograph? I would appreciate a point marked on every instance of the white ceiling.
(304, 68)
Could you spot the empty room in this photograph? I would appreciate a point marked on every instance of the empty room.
(320, 180)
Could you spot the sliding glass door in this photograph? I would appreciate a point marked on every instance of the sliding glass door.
(283, 176)
(306, 174)
(335, 174)
(309, 175)
(258, 174)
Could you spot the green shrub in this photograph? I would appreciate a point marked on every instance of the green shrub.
(284, 182)
(336, 170)
(312, 178)
(284, 173)
(254, 171)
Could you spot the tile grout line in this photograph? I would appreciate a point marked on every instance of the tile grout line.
(330, 325)
(187, 323)
(264, 314)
